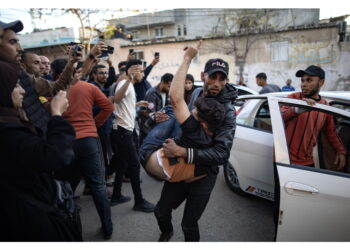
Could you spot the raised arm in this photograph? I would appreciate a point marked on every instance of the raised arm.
(177, 88)
(120, 93)
(111, 74)
(218, 154)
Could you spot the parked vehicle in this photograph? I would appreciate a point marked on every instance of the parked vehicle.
(242, 90)
(253, 144)
(313, 202)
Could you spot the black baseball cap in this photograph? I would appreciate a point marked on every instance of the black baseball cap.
(311, 71)
(16, 26)
(216, 65)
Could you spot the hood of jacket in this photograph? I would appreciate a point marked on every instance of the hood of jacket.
(228, 94)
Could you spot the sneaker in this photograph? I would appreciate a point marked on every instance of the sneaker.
(166, 236)
(107, 236)
(144, 206)
(119, 200)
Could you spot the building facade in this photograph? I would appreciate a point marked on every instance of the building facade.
(184, 24)
(279, 54)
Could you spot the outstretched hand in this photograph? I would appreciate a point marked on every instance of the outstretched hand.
(191, 52)
(98, 48)
(59, 103)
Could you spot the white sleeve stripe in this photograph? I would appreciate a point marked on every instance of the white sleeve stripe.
(190, 155)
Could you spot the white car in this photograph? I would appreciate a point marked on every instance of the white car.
(241, 90)
(313, 203)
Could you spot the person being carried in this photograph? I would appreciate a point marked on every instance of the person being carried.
(196, 194)
(198, 126)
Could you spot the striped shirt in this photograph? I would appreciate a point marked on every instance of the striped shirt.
(302, 131)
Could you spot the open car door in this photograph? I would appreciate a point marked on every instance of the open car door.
(314, 202)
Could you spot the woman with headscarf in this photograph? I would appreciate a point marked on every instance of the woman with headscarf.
(28, 209)
(189, 87)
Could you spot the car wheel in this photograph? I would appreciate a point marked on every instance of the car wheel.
(231, 179)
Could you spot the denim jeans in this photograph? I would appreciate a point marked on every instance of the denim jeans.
(89, 164)
(127, 160)
(196, 194)
(157, 136)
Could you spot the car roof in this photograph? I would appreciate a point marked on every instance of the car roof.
(334, 95)
(253, 92)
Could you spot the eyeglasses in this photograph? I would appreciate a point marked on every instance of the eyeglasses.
(102, 73)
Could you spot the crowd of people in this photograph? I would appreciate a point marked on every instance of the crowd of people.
(75, 118)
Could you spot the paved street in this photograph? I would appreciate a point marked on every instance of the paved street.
(228, 217)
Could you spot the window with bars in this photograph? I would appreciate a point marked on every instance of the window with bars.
(279, 51)
(158, 32)
(135, 34)
(179, 30)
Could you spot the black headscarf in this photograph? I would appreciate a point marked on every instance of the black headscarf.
(9, 75)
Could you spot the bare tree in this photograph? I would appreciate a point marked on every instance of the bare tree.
(240, 29)
(84, 16)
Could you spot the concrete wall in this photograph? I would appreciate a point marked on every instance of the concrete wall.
(206, 22)
(304, 47)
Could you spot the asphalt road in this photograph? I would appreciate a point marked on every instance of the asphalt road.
(227, 218)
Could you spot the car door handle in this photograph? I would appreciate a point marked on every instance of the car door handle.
(295, 186)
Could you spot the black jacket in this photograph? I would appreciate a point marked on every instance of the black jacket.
(223, 138)
(153, 96)
(34, 109)
(28, 209)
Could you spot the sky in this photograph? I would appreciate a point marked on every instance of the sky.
(10, 13)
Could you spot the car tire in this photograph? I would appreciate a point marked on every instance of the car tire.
(231, 179)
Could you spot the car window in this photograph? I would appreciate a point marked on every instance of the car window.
(315, 138)
(260, 120)
(243, 92)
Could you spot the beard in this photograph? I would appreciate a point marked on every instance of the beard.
(313, 91)
(208, 93)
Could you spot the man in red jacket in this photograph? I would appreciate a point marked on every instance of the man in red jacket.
(88, 160)
(303, 127)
